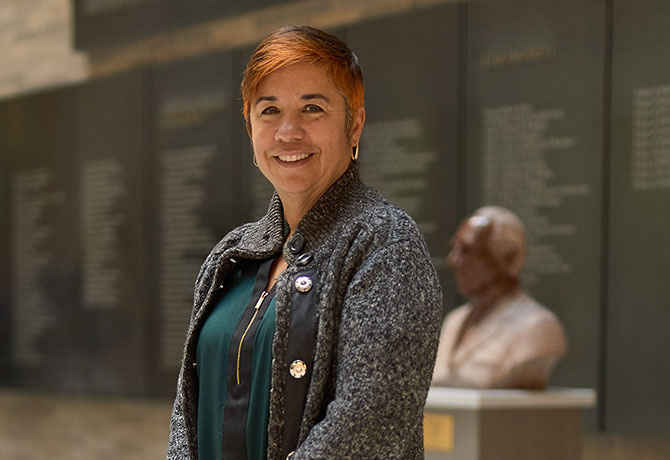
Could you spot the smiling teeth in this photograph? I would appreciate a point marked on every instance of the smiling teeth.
(295, 157)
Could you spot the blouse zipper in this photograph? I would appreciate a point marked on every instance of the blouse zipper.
(239, 348)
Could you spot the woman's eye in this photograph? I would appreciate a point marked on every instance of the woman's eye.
(269, 110)
(313, 108)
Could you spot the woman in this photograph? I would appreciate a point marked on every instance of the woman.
(314, 330)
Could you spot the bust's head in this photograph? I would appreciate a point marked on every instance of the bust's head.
(487, 250)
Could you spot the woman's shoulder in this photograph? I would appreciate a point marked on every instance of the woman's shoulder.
(234, 239)
(386, 220)
(230, 239)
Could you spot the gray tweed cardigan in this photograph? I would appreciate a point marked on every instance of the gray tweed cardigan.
(378, 317)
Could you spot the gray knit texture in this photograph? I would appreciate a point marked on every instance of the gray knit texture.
(378, 313)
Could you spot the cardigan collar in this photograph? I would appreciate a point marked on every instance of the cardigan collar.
(265, 237)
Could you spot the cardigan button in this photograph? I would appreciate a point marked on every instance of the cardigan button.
(296, 244)
(298, 369)
(304, 259)
(303, 283)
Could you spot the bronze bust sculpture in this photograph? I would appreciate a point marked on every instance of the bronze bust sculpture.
(501, 338)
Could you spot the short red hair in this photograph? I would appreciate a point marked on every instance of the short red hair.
(303, 44)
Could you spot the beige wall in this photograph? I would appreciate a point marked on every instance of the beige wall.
(37, 52)
(36, 46)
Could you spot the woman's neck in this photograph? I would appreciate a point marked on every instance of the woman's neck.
(293, 218)
(295, 209)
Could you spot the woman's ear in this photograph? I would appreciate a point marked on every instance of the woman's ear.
(357, 126)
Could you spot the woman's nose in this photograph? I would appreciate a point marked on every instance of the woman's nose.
(289, 130)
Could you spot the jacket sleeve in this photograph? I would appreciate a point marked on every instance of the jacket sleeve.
(177, 444)
(386, 348)
(178, 448)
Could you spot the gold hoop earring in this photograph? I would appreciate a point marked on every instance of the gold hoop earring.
(253, 160)
(354, 152)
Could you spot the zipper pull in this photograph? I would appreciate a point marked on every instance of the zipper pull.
(239, 348)
(260, 300)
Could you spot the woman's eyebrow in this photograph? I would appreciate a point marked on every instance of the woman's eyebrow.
(265, 98)
(306, 97)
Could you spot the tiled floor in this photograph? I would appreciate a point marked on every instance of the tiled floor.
(613, 447)
(41, 426)
(35, 426)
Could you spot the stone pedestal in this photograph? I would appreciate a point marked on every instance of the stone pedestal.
(466, 424)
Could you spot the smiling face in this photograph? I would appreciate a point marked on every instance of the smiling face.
(298, 131)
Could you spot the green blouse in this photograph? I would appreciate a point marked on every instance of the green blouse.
(240, 326)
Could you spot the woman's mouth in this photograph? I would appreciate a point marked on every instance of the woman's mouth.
(290, 158)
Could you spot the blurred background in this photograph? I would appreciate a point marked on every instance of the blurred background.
(124, 158)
